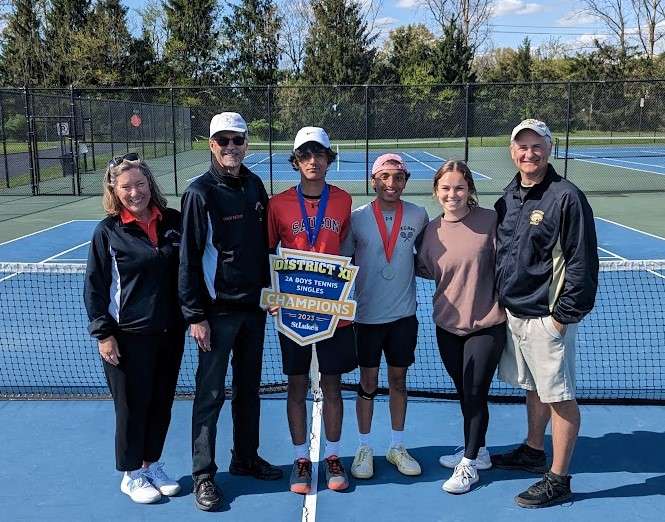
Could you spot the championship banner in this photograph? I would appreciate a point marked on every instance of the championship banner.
(312, 292)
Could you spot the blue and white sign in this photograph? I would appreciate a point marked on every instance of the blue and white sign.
(312, 292)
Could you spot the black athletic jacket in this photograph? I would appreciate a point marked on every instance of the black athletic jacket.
(224, 250)
(130, 285)
(546, 257)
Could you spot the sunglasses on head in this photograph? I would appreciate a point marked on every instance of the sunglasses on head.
(130, 156)
(224, 141)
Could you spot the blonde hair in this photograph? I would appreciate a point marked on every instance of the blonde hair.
(462, 168)
(111, 202)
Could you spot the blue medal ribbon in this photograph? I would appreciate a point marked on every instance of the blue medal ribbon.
(313, 233)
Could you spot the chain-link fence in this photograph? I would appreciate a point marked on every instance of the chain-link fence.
(608, 136)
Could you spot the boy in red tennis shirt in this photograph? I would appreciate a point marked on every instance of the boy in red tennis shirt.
(314, 216)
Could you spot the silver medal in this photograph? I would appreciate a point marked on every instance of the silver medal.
(388, 272)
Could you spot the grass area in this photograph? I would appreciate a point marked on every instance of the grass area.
(14, 147)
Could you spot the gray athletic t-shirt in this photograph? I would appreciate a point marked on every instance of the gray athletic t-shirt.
(382, 300)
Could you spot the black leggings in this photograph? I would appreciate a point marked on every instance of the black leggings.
(471, 361)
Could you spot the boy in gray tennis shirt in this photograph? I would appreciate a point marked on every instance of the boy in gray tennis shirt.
(382, 240)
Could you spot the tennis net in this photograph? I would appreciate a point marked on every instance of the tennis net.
(585, 147)
(46, 352)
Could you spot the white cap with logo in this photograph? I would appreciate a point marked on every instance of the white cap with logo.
(536, 126)
(227, 121)
(316, 134)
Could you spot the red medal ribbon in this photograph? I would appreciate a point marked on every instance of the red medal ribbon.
(388, 244)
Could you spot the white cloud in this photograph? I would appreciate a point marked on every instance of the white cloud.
(385, 20)
(586, 40)
(409, 4)
(577, 18)
(516, 7)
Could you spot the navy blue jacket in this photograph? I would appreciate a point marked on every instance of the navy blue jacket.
(546, 256)
(131, 285)
(224, 251)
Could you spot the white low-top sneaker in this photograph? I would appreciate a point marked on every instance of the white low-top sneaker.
(136, 485)
(160, 480)
(482, 460)
(363, 463)
(405, 463)
(464, 476)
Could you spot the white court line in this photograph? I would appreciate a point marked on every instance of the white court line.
(264, 159)
(620, 258)
(631, 228)
(47, 259)
(309, 504)
(421, 162)
(621, 166)
(45, 229)
(444, 159)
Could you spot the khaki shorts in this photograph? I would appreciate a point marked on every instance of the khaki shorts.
(538, 358)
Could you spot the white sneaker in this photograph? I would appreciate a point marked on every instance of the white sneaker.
(405, 463)
(160, 480)
(139, 489)
(363, 463)
(464, 476)
(482, 460)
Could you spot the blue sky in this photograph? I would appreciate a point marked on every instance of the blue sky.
(540, 20)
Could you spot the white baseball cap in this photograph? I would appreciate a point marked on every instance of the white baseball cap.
(536, 126)
(227, 121)
(316, 134)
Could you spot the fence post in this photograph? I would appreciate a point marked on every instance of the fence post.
(30, 137)
(467, 115)
(92, 134)
(4, 138)
(367, 139)
(272, 190)
(111, 136)
(568, 108)
(173, 136)
(74, 144)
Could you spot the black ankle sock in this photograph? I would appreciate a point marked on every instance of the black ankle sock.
(533, 451)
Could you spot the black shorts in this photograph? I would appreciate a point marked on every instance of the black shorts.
(397, 340)
(336, 355)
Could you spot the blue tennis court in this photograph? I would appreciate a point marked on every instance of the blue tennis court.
(349, 166)
(67, 445)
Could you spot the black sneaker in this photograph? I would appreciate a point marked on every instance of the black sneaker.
(523, 457)
(256, 467)
(553, 489)
(207, 495)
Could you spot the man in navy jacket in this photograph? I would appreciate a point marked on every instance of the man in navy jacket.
(223, 266)
(547, 276)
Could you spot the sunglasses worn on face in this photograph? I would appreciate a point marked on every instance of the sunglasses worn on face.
(224, 141)
(130, 156)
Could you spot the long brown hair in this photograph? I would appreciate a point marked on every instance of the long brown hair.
(110, 201)
(463, 168)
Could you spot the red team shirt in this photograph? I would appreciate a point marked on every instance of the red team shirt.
(285, 223)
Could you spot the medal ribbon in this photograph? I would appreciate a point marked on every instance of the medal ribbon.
(313, 233)
(388, 244)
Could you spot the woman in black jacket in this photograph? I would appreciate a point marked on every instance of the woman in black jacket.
(131, 298)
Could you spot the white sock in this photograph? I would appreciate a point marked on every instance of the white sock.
(363, 439)
(300, 451)
(396, 438)
(332, 448)
(468, 462)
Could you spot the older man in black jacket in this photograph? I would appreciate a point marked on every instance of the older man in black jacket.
(547, 276)
(223, 266)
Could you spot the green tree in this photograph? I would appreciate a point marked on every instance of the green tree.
(251, 42)
(66, 21)
(523, 61)
(21, 57)
(191, 52)
(339, 48)
(105, 45)
(407, 57)
(454, 57)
